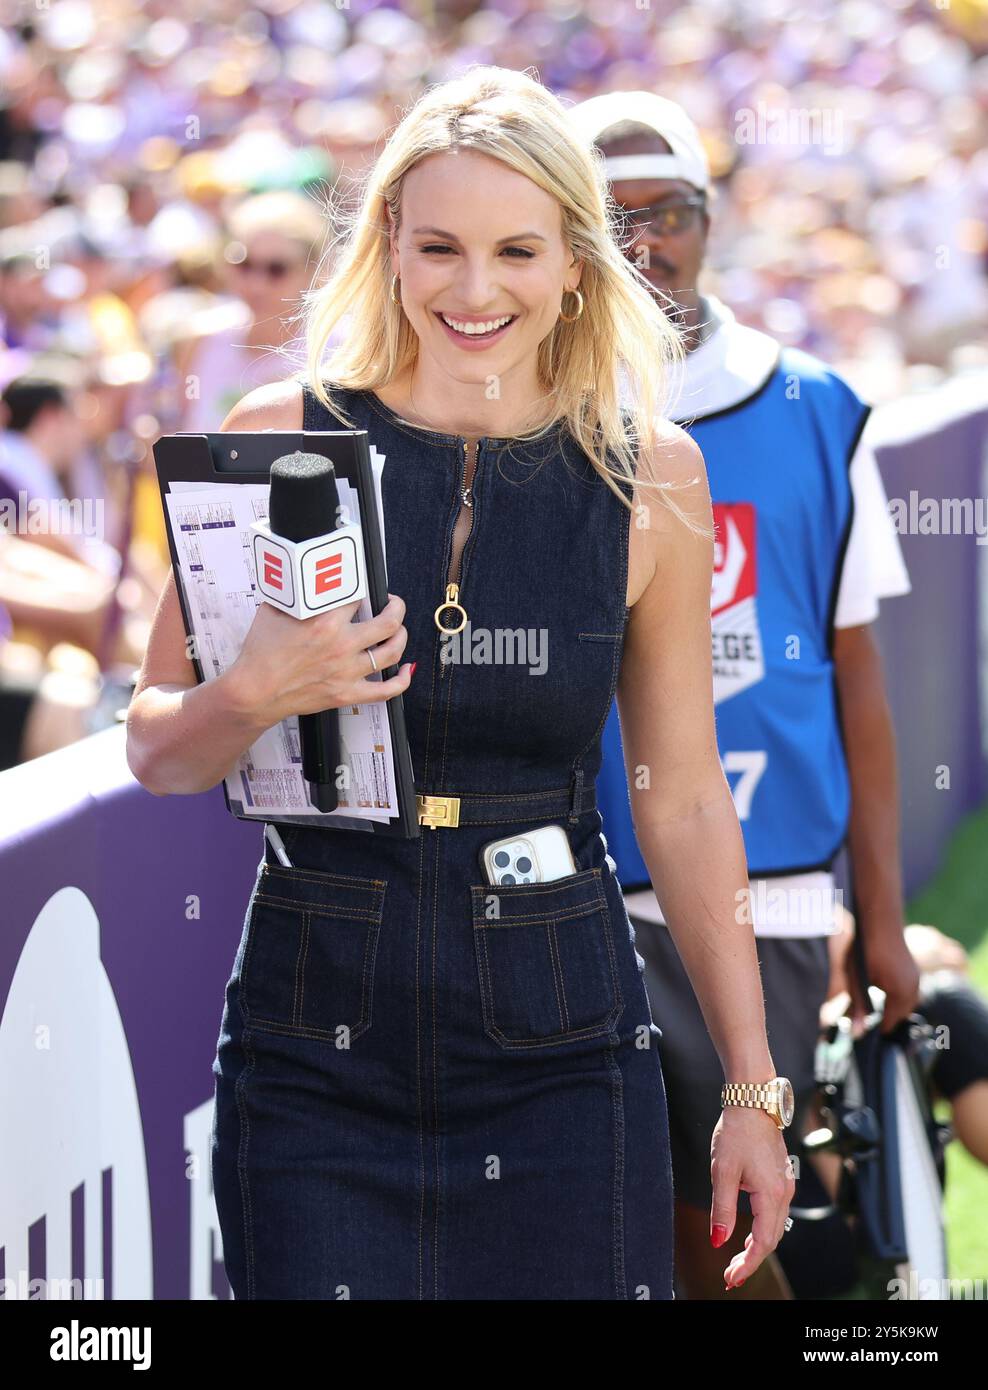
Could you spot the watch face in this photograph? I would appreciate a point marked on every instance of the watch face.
(787, 1100)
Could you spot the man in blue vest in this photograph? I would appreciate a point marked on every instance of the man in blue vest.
(804, 550)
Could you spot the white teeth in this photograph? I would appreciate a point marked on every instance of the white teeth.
(474, 328)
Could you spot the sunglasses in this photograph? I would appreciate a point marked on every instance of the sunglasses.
(273, 270)
(661, 219)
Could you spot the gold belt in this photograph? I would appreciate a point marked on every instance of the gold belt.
(479, 808)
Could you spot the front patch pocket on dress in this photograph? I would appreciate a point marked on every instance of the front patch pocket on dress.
(308, 967)
(546, 961)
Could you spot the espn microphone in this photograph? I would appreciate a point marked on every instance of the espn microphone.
(307, 562)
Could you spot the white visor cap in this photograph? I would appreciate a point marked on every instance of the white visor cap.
(688, 159)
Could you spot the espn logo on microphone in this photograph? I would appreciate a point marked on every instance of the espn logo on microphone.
(308, 577)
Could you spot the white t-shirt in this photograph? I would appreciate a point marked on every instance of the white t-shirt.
(725, 369)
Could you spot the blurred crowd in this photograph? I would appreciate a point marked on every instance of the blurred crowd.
(169, 177)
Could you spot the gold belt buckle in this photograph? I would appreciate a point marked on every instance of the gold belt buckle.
(435, 811)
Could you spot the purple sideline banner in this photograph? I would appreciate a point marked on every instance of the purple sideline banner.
(932, 450)
(120, 918)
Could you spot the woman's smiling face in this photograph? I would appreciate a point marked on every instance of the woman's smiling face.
(483, 265)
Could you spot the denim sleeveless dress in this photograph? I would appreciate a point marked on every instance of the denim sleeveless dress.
(426, 1087)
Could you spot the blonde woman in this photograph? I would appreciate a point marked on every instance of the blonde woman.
(428, 1086)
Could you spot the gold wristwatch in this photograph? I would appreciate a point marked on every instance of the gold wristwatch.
(775, 1096)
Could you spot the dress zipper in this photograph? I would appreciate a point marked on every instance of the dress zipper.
(451, 608)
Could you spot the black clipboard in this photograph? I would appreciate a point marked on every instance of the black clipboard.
(247, 458)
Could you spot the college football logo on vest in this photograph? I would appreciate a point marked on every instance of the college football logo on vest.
(737, 642)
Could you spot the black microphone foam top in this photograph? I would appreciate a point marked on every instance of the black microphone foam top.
(304, 498)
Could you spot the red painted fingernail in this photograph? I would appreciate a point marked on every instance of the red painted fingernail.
(739, 1283)
(412, 671)
(718, 1235)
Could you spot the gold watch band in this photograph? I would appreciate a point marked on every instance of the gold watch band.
(757, 1094)
(775, 1097)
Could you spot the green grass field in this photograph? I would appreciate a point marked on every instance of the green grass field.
(956, 901)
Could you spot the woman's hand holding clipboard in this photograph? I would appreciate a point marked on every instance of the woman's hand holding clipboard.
(287, 667)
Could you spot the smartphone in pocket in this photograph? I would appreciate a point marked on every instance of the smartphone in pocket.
(538, 856)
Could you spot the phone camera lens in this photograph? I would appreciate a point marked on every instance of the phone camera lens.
(524, 863)
(501, 858)
(508, 878)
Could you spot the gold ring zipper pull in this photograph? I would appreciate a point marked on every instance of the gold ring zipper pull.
(452, 593)
(451, 608)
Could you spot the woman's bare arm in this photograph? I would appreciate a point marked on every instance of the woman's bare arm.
(688, 832)
(684, 816)
(183, 737)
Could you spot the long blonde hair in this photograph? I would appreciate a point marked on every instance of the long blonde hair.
(512, 117)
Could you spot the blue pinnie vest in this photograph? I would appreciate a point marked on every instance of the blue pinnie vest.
(778, 466)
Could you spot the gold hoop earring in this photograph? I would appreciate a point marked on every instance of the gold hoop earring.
(572, 318)
(395, 299)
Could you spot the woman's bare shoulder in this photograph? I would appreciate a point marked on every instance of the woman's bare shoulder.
(276, 406)
(675, 456)
(672, 470)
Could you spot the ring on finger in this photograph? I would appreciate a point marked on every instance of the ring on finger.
(371, 655)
